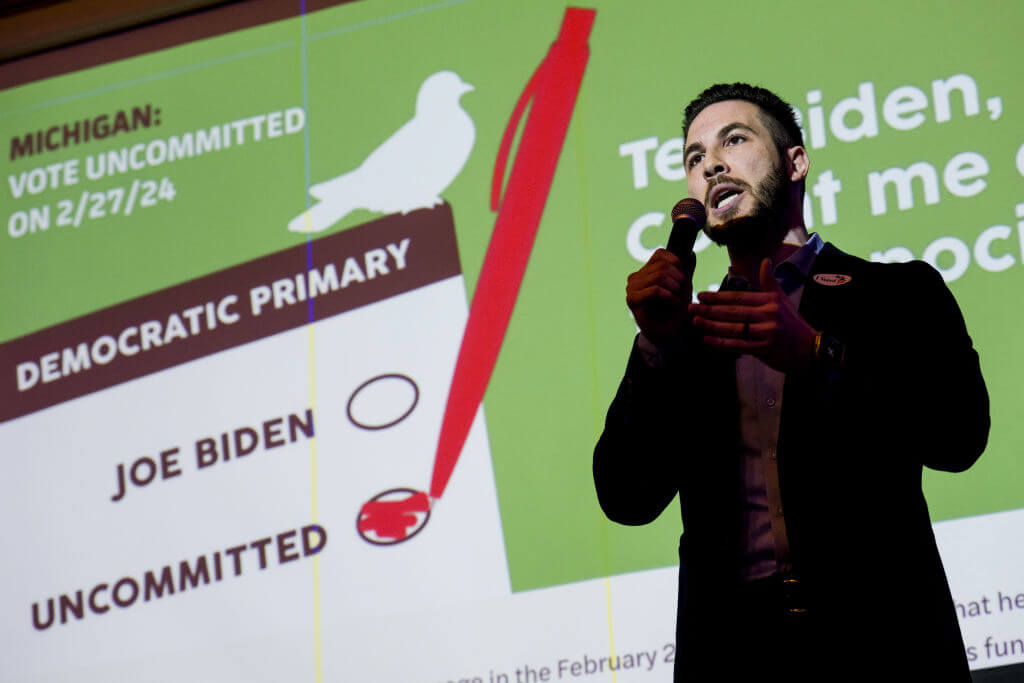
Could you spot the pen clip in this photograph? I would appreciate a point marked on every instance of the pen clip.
(510, 131)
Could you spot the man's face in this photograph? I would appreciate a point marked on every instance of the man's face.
(734, 167)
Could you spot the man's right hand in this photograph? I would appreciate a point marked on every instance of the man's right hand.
(658, 295)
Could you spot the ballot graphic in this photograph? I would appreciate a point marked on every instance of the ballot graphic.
(369, 390)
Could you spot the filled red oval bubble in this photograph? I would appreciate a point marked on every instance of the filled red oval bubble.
(393, 516)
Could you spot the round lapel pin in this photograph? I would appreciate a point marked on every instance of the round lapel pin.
(831, 279)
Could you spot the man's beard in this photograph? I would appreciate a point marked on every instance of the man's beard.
(762, 224)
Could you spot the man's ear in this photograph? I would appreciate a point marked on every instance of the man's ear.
(797, 163)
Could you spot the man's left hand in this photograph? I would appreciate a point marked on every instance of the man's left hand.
(764, 324)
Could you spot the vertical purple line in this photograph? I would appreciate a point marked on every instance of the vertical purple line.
(305, 142)
(309, 266)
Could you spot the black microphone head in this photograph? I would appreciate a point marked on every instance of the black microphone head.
(692, 209)
(688, 219)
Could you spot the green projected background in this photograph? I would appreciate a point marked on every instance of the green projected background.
(913, 121)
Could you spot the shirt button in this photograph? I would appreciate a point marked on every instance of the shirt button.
(773, 455)
(778, 512)
(771, 402)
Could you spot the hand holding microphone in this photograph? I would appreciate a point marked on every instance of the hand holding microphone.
(658, 294)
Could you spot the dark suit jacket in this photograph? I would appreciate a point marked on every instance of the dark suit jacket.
(852, 444)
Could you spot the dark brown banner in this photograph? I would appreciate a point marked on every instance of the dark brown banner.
(252, 300)
(132, 41)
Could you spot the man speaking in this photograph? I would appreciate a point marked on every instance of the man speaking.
(792, 411)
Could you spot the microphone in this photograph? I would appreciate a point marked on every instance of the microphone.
(688, 219)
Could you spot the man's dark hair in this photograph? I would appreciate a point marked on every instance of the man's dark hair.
(778, 117)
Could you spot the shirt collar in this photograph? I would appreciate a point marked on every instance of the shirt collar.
(803, 258)
(791, 273)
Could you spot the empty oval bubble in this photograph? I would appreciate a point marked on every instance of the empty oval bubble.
(382, 401)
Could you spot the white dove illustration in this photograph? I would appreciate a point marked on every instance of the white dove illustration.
(407, 171)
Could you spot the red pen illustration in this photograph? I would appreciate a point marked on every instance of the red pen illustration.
(551, 96)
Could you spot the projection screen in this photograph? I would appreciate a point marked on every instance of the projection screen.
(311, 317)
